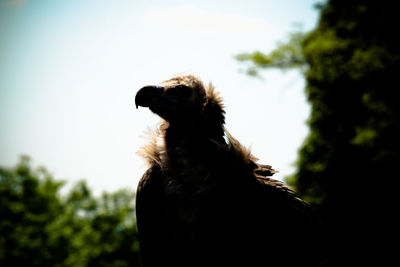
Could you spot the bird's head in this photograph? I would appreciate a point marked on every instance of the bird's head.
(182, 99)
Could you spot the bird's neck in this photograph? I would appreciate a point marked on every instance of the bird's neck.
(191, 151)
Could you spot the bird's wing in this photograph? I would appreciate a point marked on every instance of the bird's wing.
(149, 205)
(264, 170)
(284, 193)
(280, 217)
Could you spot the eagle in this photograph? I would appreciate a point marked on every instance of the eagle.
(204, 200)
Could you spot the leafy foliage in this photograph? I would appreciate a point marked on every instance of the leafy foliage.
(40, 228)
(287, 56)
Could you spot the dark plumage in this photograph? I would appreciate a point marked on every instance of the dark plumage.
(205, 201)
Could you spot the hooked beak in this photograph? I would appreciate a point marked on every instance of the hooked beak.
(148, 95)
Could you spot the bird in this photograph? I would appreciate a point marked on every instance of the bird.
(204, 199)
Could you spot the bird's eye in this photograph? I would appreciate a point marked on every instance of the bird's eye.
(184, 90)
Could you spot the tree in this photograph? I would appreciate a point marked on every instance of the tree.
(39, 227)
(288, 56)
(347, 162)
(28, 206)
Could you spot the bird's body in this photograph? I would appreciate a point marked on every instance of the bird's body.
(205, 201)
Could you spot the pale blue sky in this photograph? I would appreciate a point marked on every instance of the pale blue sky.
(69, 70)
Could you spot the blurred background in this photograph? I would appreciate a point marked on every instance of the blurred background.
(307, 84)
(70, 71)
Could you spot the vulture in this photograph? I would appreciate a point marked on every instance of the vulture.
(204, 200)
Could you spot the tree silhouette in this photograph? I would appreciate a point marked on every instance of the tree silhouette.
(39, 227)
(345, 166)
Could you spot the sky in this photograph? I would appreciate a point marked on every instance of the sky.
(69, 71)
